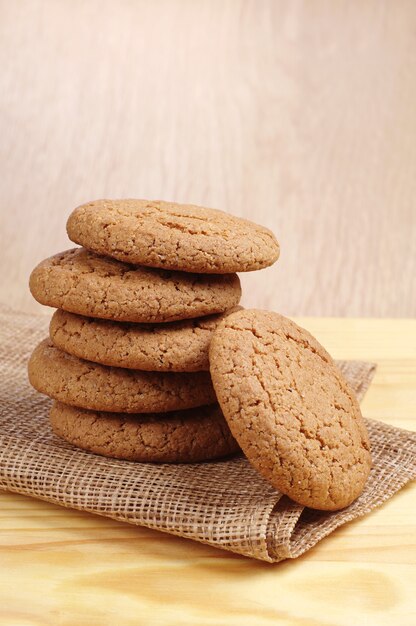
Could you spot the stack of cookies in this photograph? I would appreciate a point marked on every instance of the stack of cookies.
(127, 358)
(148, 313)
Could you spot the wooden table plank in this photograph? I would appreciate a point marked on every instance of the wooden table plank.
(64, 567)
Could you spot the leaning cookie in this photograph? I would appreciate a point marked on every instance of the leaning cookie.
(178, 437)
(290, 409)
(172, 236)
(91, 386)
(82, 282)
(175, 346)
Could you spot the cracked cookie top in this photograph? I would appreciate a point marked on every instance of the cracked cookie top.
(172, 236)
(290, 409)
(82, 282)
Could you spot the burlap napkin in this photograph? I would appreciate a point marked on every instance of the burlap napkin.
(225, 504)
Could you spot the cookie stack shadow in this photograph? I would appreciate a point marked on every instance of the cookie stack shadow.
(126, 362)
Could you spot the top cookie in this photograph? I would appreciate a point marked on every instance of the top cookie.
(172, 236)
(290, 409)
(82, 282)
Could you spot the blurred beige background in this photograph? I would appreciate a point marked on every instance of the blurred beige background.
(298, 115)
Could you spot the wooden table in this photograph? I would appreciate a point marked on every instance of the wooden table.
(61, 567)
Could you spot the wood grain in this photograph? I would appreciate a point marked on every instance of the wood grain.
(63, 568)
(300, 115)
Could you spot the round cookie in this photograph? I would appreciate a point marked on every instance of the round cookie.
(91, 386)
(293, 414)
(172, 236)
(175, 346)
(178, 437)
(82, 282)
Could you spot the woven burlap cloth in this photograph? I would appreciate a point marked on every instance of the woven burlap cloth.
(225, 504)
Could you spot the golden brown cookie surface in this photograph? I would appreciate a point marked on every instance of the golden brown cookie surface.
(186, 436)
(173, 236)
(97, 387)
(82, 282)
(290, 409)
(175, 346)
